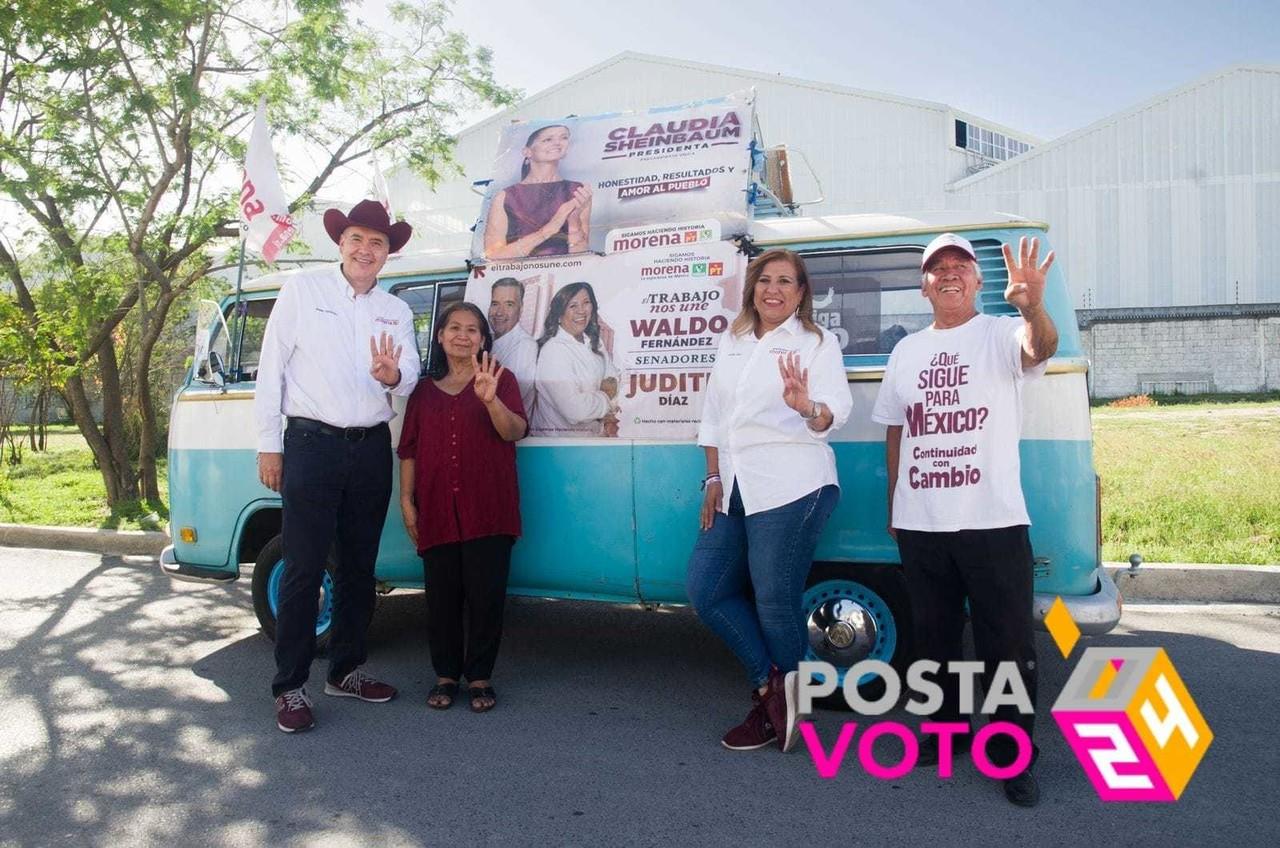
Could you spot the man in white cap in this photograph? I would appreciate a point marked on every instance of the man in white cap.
(335, 348)
(952, 400)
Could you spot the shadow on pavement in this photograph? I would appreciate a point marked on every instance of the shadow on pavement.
(138, 711)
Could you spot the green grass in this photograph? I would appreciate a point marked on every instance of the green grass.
(62, 487)
(1190, 482)
(1202, 400)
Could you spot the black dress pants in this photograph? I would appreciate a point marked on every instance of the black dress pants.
(334, 490)
(470, 574)
(993, 569)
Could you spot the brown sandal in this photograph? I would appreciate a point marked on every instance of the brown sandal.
(478, 693)
(442, 690)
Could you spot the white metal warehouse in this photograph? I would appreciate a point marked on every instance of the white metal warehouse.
(1166, 216)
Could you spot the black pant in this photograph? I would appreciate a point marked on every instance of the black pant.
(473, 573)
(993, 568)
(334, 489)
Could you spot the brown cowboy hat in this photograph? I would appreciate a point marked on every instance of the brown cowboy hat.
(371, 214)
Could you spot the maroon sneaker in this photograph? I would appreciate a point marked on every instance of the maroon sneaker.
(755, 731)
(780, 705)
(357, 684)
(293, 711)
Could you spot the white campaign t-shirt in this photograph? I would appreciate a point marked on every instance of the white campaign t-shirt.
(958, 395)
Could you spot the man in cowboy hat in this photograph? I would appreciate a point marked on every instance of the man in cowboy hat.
(336, 345)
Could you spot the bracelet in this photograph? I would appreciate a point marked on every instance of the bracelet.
(709, 479)
(816, 413)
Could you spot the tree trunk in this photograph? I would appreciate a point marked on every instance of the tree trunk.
(148, 440)
(110, 443)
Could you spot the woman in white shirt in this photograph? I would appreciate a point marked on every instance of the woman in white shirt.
(577, 384)
(778, 390)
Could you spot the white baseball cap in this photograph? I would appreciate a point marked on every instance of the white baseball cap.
(944, 241)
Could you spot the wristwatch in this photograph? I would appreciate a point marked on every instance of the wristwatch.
(817, 411)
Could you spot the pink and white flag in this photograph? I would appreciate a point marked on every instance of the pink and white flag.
(264, 212)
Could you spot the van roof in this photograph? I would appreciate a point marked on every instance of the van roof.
(768, 231)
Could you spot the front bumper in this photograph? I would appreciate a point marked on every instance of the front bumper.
(193, 573)
(1094, 614)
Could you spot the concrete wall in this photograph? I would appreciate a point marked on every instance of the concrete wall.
(1192, 356)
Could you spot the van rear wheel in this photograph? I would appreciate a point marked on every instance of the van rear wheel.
(268, 573)
(857, 612)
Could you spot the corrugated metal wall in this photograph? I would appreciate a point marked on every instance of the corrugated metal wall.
(1173, 203)
(871, 153)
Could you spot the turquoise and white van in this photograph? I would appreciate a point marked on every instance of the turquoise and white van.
(866, 280)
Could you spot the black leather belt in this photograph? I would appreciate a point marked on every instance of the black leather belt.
(351, 434)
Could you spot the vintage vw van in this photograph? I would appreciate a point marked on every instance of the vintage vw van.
(615, 519)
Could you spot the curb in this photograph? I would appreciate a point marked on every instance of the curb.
(118, 542)
(1161, 582)
(1191, 583)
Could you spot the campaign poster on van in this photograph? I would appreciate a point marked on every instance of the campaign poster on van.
(616, 346)
(559, 186)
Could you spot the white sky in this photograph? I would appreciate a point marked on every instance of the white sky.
(1043, 68)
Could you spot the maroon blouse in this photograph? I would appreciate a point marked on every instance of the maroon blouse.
(464, 473)
(531, 205)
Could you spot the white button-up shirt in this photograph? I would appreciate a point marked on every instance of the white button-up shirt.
(569, 374)
(764, 445)
(516, 351)
(315, 355)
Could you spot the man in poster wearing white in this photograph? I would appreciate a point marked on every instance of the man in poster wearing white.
(336, 346)
(513, 347)
(952, 400)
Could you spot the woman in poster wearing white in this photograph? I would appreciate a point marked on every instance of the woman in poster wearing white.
(577, 384)
(543, 214)
(778, 390)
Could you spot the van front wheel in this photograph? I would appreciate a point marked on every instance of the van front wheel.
(857, 612)
(268, 573)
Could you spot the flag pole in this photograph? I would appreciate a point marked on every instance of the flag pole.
(238, 324)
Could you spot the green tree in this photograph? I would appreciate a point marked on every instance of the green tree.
(122, 132)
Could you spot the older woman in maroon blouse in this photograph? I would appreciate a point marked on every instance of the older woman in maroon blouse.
(460, 501)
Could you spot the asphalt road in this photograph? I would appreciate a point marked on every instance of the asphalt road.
(136, 711)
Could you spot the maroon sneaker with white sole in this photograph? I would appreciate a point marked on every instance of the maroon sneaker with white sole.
(755, 731)
(780, 704)
(357, 684)
(293, 711)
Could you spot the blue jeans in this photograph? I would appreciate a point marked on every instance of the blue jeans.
(747, 575)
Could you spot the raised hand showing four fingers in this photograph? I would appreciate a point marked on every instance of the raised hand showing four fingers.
(486, 380)
(795, 383)
(1026, 278)
(384, 356)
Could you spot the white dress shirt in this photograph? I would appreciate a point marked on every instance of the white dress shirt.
(764, 445)
(517, 351)
(315, 355)
(570, 400)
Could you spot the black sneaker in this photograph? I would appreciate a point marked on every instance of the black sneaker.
(1023, 790)
(929, 749)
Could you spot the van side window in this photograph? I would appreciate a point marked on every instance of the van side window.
(426, 300)
(870, 299)
(253, 326)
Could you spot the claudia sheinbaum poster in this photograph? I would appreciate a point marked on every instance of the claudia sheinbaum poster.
(560, 186)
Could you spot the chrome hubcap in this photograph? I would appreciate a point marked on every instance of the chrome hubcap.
(842, 631)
